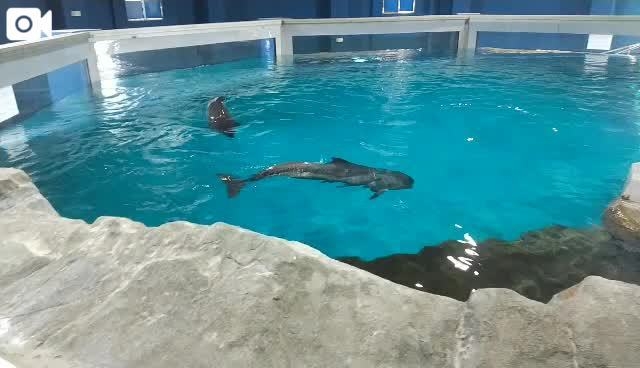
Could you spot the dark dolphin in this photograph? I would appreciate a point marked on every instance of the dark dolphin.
(219, 117)
(338, 170)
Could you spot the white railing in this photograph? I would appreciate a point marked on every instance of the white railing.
(24, 60)
(157, 38)
(573, 24)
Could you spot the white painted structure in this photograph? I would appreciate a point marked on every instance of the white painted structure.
(23, 60)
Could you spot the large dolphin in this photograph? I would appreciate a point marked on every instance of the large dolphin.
(338, 170)
(219, 117)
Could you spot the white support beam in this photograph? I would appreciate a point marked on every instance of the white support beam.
(467, 39)
(167, 37)
(284, 46)
(573, 24)
(377, 25)
(92, 66)
(24, 60)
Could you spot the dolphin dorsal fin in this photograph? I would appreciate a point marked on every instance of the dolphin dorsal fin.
(338, 160)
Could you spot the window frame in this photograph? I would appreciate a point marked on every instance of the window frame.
(412, 11)
(144, 12)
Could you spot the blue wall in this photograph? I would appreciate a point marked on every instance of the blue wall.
(617, 7)
(211, 11)
(626, 7)
(373, 8)
(94, 14)
(252, 10)
(175, 12)
(288, 9)
(603, 7)
(107, 14)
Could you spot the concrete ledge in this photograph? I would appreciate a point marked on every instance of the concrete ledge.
(20, 61)
(118, 294)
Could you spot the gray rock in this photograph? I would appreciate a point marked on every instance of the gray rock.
(622, 221)
(622, 217)
(118, 294)
(601, 318)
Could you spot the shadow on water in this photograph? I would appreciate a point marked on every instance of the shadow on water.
(538, 265)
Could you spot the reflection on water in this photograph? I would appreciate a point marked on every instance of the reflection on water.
(15, 144)
(538, 265)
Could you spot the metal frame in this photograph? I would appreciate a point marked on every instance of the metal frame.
(144, 12)
(413, 9)
(23, 60)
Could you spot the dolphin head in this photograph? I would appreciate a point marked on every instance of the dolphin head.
(404, 180)
(394, 180)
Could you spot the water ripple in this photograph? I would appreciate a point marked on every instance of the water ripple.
(501, 144)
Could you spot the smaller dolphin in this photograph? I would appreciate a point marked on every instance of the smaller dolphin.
(219, 117)
(338, 170)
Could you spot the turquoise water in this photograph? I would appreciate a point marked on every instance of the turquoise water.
(498, 145)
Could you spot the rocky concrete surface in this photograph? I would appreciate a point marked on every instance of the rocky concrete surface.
(118, 294)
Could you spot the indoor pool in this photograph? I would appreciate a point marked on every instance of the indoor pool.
(498, 146)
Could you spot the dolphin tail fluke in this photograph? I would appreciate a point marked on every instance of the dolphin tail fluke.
(233, 185)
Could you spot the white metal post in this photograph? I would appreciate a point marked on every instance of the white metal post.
(284, 45)
(92, 65)
(467, 39)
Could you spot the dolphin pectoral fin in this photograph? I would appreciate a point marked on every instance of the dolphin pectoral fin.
(377, 194)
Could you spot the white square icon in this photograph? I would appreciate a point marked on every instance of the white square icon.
(27, 24)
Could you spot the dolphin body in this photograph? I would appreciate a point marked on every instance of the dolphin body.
(220, 119)
(338, 170)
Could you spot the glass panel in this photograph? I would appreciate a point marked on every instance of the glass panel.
(390, 6)
(153, 8)
(407, 5)
(134, 9)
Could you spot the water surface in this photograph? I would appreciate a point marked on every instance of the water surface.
(497, 145)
